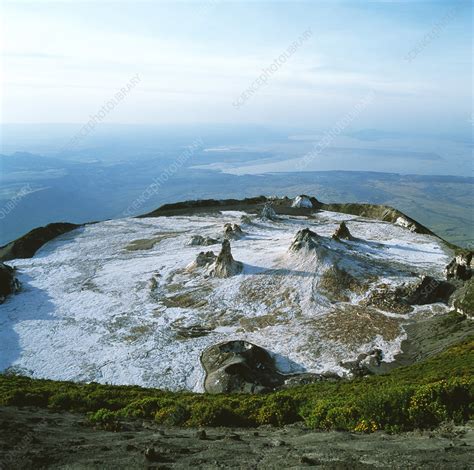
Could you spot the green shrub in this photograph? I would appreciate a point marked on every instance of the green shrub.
(173, 415)
(315, 414)
(386, 407)
(210, 413)
(278, 410)
(146, 407)
(105, 419)
(71, 400)
(342, 418)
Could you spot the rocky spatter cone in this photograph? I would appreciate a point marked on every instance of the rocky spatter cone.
(460, 267)
(305, 239)
(225, 265)
(199, 240)
(232, 231)
(268, 212)
(203, 260)
(342, 232)
(8, 282)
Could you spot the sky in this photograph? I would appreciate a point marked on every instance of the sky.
(195, 62)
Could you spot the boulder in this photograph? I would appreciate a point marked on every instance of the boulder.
(460, 267)
(232, 231)
(239, 367)
(302, 202)
(198, 240)
(268, 212)
(342, 232)
(8, 282)
(225, 265)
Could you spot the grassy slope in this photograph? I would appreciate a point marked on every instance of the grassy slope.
(419, 396)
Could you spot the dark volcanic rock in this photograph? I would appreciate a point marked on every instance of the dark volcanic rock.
(389, 300)
(243, 367)
(401, 299)
(460, 267)
(239, 367)
(225, 265)
(342, 232)
(378, 212)
(309, 378)
(204, 205)
(8, 283)
(429, 291)
(27, 245)
(464, 299)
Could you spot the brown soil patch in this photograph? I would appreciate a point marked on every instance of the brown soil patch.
(355, 326)
(149, 243)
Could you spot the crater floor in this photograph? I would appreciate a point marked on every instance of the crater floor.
(113, 301)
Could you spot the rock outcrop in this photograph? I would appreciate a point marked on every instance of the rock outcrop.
(378, 212)
(389, 300)
(302, 201)
(460, 267)
(232, 231)
(239, 367)
(225, 265)
(342, 232)
(268, 212)
(306, 378)
(27, 245)
(242, 367)
(199, 240)
(8, 282)
(428, 291)
(464, 299)
(365, 364)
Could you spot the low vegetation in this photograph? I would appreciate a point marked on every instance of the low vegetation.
(419, 396)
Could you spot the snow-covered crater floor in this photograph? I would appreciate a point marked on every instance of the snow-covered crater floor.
(98, 305)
